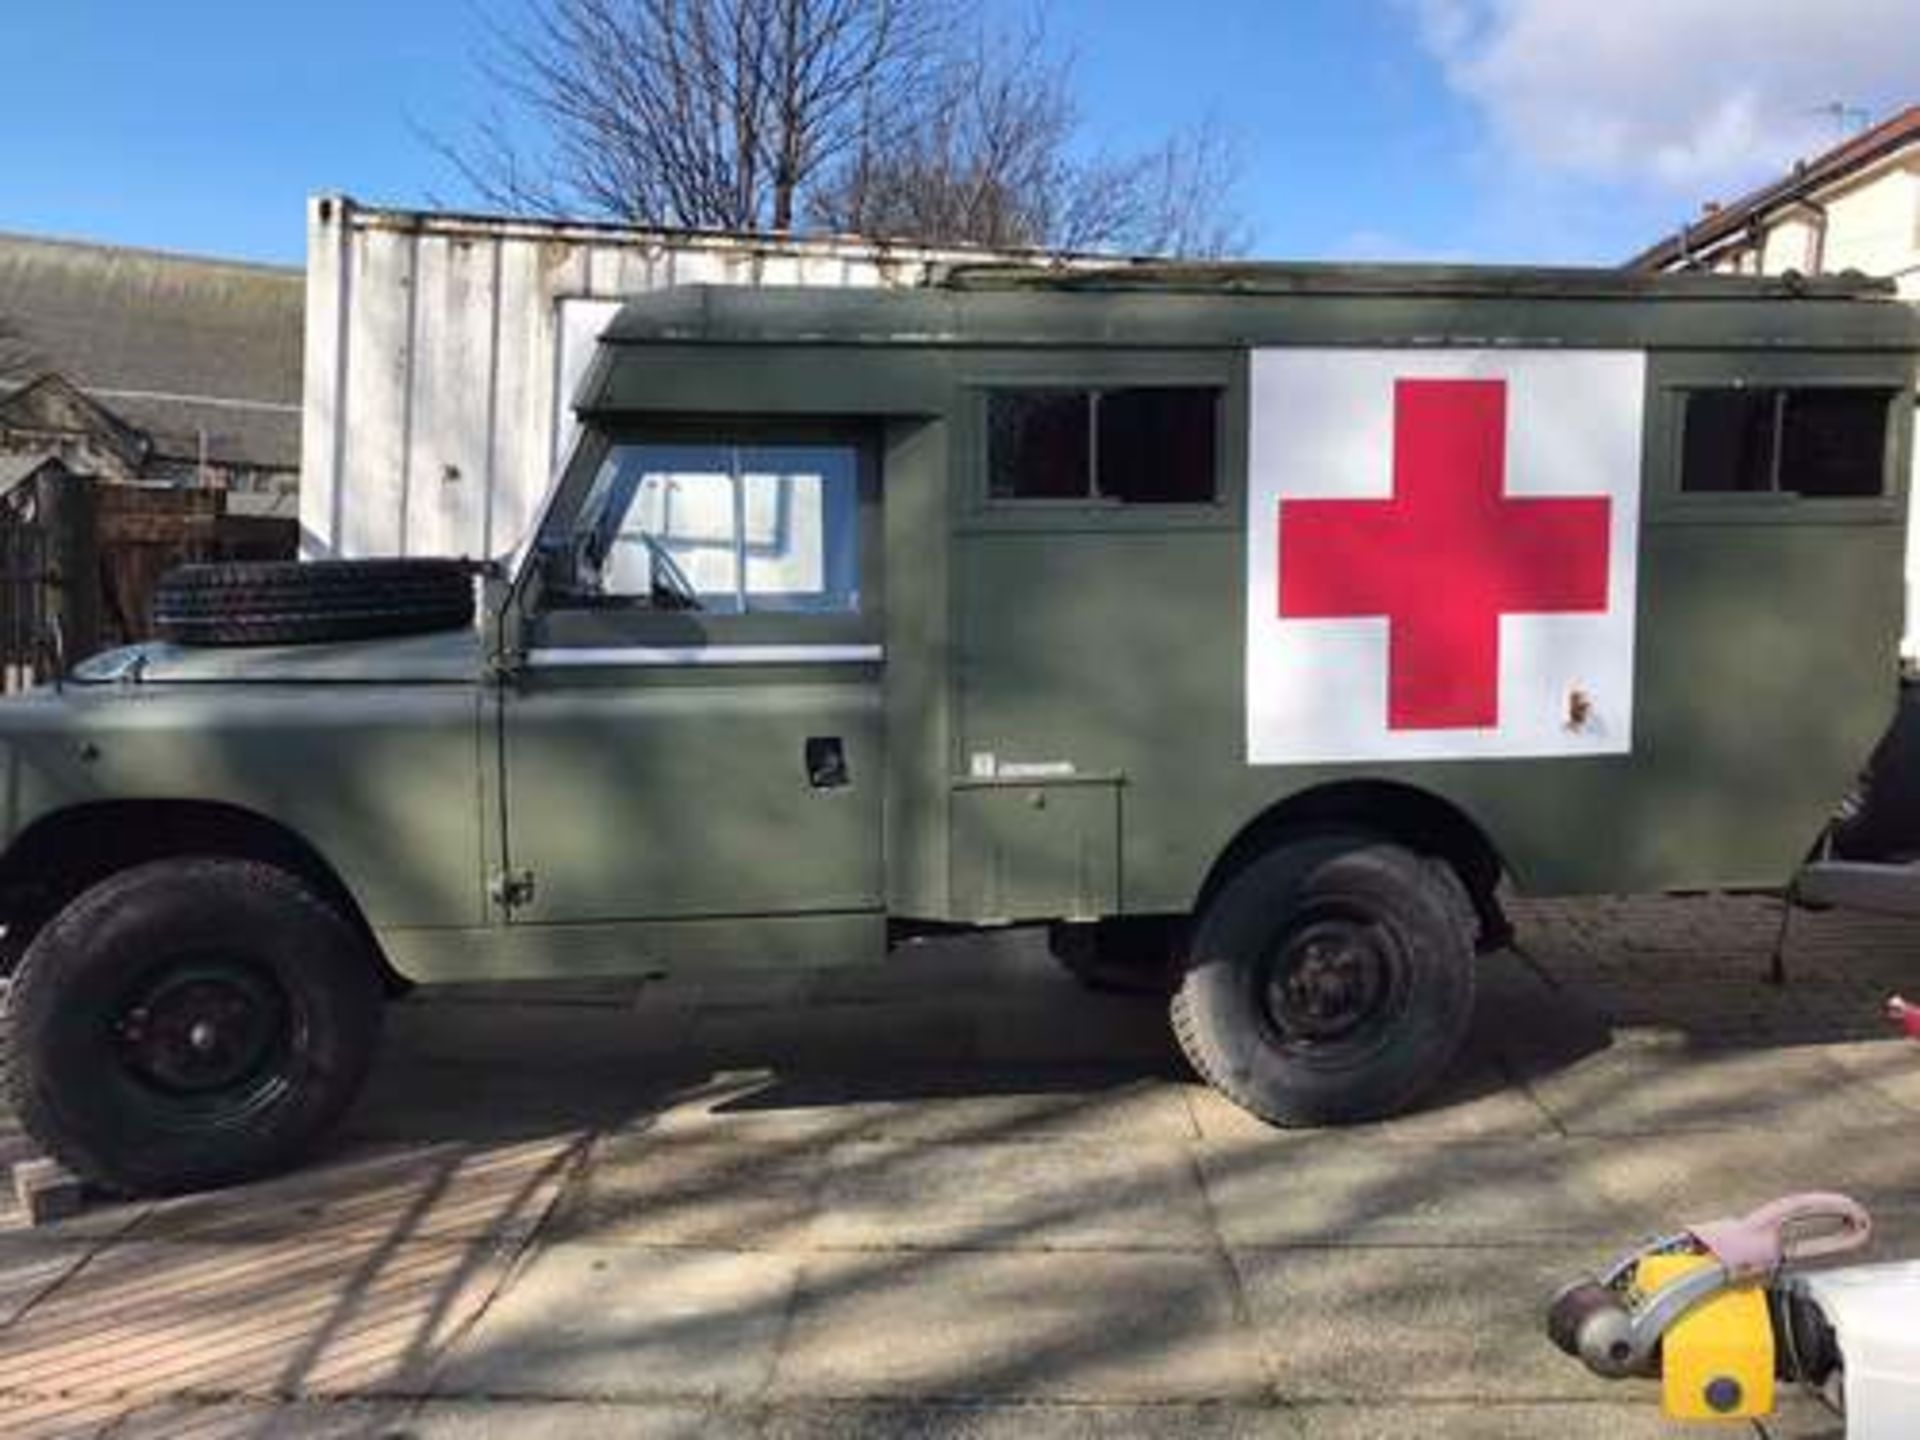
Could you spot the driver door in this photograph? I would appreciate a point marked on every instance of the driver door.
(696, 731)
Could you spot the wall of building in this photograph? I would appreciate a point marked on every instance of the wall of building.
(441, 353)
(1867, 221)
(1873, 225)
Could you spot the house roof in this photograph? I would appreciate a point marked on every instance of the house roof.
(178, 346)
(54, 404)
(1847, 158)
(16, 470)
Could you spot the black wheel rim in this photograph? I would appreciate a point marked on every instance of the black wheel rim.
(203, 1038)
(1331, 988)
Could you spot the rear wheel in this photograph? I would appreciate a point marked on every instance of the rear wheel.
(189, 1023)
(1329, 981)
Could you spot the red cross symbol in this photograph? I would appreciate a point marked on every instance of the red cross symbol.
(1446, 557)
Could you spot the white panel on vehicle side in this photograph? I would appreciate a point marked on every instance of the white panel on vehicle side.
(1441, 550)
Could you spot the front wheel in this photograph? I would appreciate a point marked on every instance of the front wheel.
(1329, 981)
(188, 1023)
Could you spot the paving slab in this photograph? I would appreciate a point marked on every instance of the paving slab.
(590, 1321)
(574, 1420)
(1497, 1420)
(646, 1039)
(754, 1105)
(1054, 1194)
(1401, 1324)
(1656, 1084)
(498, 1101)
(962, 1325)
(941, 1104)
(449, 1191)
(714, 1187)
(149, 1319)
(1891, 1067)
(1026, 1105)
(1072, 1025)
(1342, 1188)
(745, 989)
(1479, 1102)
(966, 964)
(1029, 1421)
(836, 1039)
(55, 1418)
(263, 1420)
(31, 1265)
(1665, 1181)
(101, 1219)
(1801, 1417)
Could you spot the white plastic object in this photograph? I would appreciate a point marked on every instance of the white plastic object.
(1875, 1314)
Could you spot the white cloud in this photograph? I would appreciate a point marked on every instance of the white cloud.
(1691, 96)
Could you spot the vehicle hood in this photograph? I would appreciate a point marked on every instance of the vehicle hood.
(448, 657)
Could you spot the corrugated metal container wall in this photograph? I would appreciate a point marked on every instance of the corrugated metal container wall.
(441, 352)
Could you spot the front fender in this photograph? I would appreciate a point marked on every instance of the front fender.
(383, 780)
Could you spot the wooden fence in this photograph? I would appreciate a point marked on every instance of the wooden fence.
(23, 594)
(81, 560)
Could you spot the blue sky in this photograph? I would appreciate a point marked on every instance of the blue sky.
(1545, 130)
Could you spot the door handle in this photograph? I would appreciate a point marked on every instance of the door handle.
(826, 761)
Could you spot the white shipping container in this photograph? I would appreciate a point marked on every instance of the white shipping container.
(442, 352)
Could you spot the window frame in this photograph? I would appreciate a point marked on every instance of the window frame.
(735, 466)
(552, 622)
(1093, 398)
(978, 509)
(1782, 398)
(1673, 376)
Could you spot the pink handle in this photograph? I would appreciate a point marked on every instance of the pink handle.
(1796, 1227)
(1905, 1015)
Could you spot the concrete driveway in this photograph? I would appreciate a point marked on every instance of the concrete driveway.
(959, 1196)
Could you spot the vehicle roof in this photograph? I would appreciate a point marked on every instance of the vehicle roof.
(1271, 277)
(1190, 304)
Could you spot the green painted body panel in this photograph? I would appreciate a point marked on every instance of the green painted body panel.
(447, 658)
(636, 795)
(635, 948)
(381, 780)
(664, 815)
(1027, 850)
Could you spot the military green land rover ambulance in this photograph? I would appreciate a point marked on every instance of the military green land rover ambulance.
(1254, 624)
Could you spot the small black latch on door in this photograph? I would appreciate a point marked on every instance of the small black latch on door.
(826, 762)
(511, 889)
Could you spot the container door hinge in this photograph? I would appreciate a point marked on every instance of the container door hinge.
(511, 889)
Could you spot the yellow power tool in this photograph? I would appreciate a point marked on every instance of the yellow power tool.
(1713, 1310)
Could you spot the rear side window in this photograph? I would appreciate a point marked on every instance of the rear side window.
(1039, 444)
(1827, 442)
(1141, 445)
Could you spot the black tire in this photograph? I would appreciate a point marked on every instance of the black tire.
(1330, 981)
(284, 603)
(109, 1071)
(1133, 955)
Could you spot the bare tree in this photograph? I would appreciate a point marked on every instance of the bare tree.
(877, 117)
(997, 159)
(984, 160)
(703, 113)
